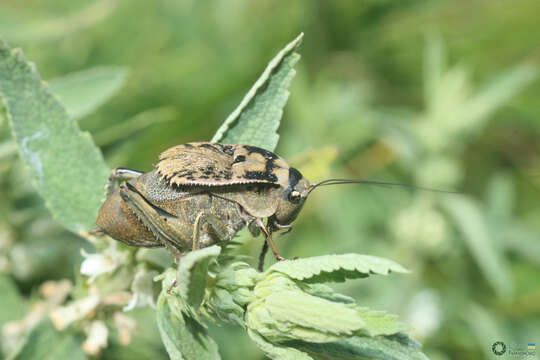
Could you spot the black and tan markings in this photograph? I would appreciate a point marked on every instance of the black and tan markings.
(215, 164)
(294, 177)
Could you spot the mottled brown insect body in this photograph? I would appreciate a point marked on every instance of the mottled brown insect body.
(203, 193)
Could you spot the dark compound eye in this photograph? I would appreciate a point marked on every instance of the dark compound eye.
(294, 196)
(239, 158)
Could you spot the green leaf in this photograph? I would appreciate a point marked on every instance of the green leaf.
(231, 291)
(12, 306)
(134, 124)
(502, 88)
(83, 91)
(145, 342)
(336, 268)
(277, 352)
(284, 309)
(398, 347)
(471, 222)
(303, 316)
(46, 343)
(159, 257)
(256, 120)
(192, 274)
(380, 322)
(326, 292)
(184, 337)
(67, 168)
(500, 197)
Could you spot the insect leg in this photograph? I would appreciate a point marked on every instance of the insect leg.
(264, 250)
(269, 240)
(287, 228)
(215, 223)
(120, 174)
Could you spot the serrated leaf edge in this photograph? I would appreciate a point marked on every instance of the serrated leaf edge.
(393, 267)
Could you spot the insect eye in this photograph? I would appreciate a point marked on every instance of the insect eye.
(294, 196)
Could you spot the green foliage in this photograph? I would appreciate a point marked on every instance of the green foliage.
(192, 271)
(282, 313)
(84, 91)
(395, 348)
(470, 221)
(444, 96)
(30, 26)
(65, 165)
(256, 120)
(183, 336)
(45, 342)
(12, 306)
(336, 267)
(277, 306)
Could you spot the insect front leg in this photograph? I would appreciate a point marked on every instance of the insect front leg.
(120, 174)
(270, 228)
(268, 237)
(215, 223)
(276, 226)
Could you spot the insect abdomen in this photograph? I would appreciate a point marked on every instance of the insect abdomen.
(119, 222)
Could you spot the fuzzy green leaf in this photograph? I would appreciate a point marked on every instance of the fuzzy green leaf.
(336, 268)
(256, 120)
(302, 316)
(183, 336)
(46, 343)
(192, 274)
(397, 347)
(67, 168)
(284, 309)
(83, 91)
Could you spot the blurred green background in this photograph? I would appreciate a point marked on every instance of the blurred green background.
(433, 93)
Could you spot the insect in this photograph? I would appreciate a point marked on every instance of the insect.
(202, 193)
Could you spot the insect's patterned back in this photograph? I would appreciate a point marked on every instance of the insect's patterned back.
(215, 164)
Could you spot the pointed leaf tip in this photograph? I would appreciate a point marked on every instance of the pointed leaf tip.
(256, 119)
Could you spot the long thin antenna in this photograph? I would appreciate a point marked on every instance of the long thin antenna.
(380, 183)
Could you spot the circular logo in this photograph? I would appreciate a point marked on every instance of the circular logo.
(498, 348)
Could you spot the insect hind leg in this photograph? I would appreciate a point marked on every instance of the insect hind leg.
(120, 174)
(215, 223)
